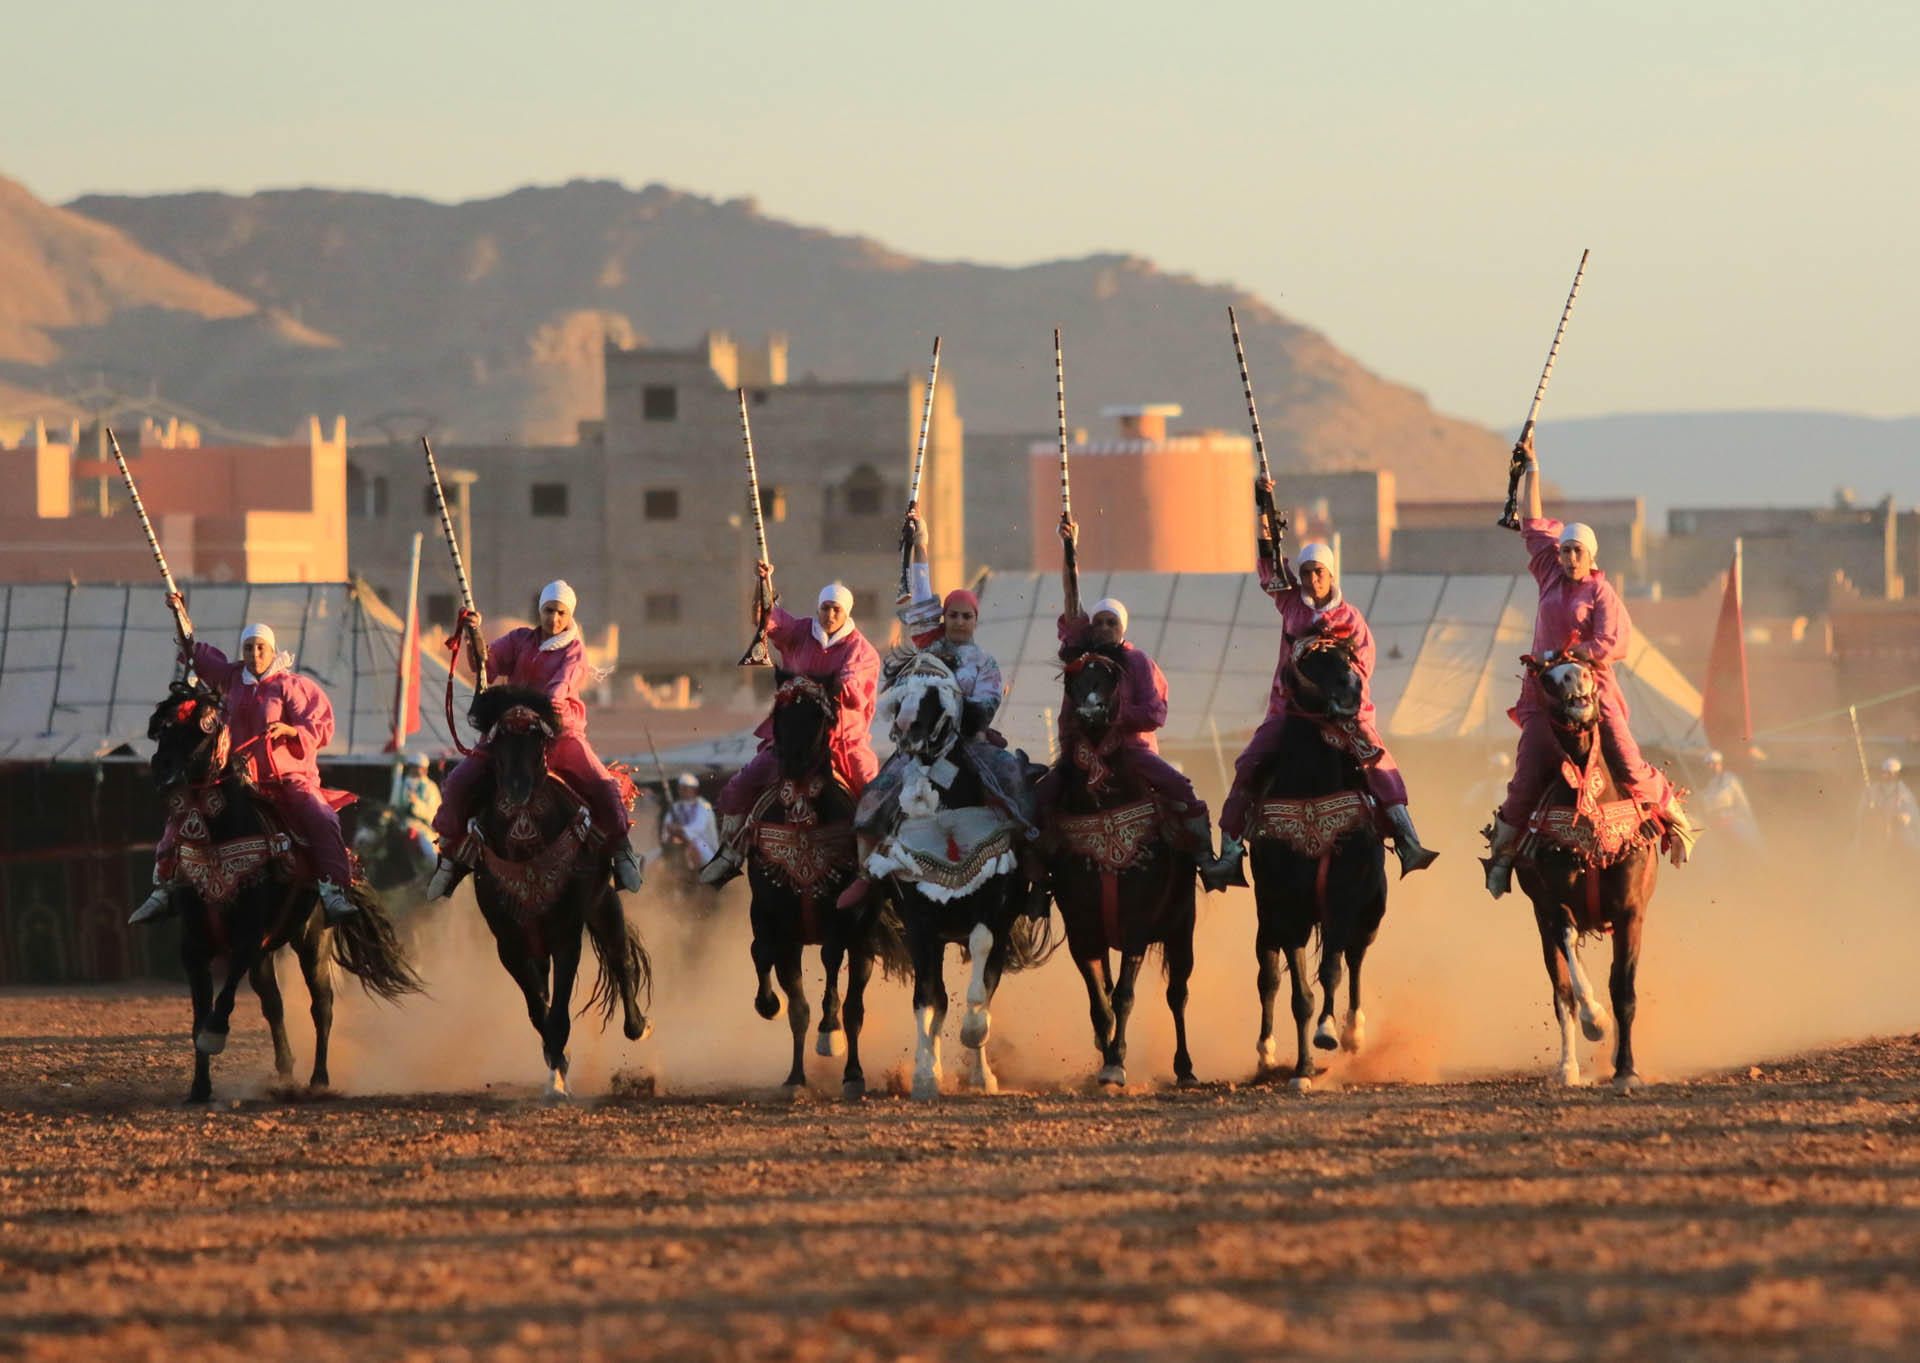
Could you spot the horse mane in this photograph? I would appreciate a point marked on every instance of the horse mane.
(1074, 651)
(489, 705)
(169, 712)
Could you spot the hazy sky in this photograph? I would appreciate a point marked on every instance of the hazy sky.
(1416, 179)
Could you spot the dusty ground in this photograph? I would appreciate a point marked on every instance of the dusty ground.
(1769, 1213)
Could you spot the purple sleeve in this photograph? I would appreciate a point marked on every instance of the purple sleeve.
(859, 687)
(1542, 538)
(786, 629)
(1143, 706)
(501, 655)
(1610, 625)
(1363, 648)
(312, 714)
(214, 667)
(1071, 628)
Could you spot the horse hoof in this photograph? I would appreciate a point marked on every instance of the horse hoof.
(1628, 1083)
(209, 1042)
(1570, 1077)
(1114, 1076)
(832, 1043)
(974, 1028)
(1267, 1053)
(1325, 1037)
(1300, 1084)
(198, 1098)
(854, 1090)
(794, 1088)
(639, 1031)
(1593, 1026)
(556, 1094)
(926, 1086)
(769, 1005)
(1353, 1037)
(1186, 1081)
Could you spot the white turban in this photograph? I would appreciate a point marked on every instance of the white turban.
(1578, 532)
(1318, 551)
(1109, 603)
(558, 590)
(259, 631)
(837, 591)
(687, 778)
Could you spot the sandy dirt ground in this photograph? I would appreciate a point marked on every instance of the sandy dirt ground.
(1772, 1211)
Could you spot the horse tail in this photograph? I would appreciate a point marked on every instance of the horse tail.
(1030, 941)
(622, 955)
(887, 939)
(367, 948)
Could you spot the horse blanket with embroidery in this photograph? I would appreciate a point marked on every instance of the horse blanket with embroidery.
(1110, 839)
(948, 854)
(218, 871)
(1311, 827)
(1598, 833)
(531, 870)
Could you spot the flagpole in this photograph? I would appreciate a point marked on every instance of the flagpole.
(409, 646)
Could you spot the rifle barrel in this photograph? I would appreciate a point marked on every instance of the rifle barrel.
(1246, 385)
(1060, 407)
(459, 561)
(926, 421)
(140, 509)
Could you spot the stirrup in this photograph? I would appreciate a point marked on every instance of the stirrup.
(626, 868)
(1229, 868)
(335, 902)
(156, 905)
(447, 874)
(722, 867)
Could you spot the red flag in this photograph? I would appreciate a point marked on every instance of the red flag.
(1724, 707)
(406, 687)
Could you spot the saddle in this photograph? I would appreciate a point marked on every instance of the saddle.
(948, 854)
(218, 871)
(1597, 833)
(531, 870)
(1313, 827)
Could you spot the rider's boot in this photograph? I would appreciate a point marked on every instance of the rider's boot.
(447, 873)
(725, 864)
(334, 901)
(1499, 860)
(1229, 867)
(1406, 842)
(626, 867)
(1685, 831)
(159, 904)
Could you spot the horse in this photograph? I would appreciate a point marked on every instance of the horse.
(1120, 886)
(386, 848)
(543, 879)
(1589, 859)
(802, 857)
(1318, 858)
(242, 894)
(952, 862)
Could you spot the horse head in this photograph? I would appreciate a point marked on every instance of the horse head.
(923, 708)
(1093, 676)
(520, 725)
(1323, 677)
(1570, 687)
(189, 732)
(804, 710)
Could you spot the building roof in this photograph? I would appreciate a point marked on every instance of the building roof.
(82, 666)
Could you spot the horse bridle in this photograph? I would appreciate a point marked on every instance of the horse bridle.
(520, 719)
(1299, 685)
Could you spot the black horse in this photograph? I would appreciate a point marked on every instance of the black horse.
(1319, 861)
(1120, 886)
(961, 883)
(802, 858)
(544, 880)
(1589, 860)
(239, 898)
(388, 854)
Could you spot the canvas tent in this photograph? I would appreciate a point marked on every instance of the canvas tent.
(81, 666)
(1448, 668)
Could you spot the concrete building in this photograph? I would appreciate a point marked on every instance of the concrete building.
(227, 513)
(1791, 553)
(1146, 501)
(647, 514)
(1465, 537)
(1356, 508)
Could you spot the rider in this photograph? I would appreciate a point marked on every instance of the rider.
(1723, 804)
(549, 658)
(825, 644)
(1888, 817)
(1140, 708)
(1315, 607)
(689, 819)
(277, 723)
(417, 802)
(1581, 616)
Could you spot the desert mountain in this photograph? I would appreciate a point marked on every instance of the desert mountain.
(489, 315)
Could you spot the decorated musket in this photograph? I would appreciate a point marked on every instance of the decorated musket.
(459, 564)
(1068, 548)
(153, 540)
(1510, 518)
(913, 489)
(756, 654)
(1273, 526)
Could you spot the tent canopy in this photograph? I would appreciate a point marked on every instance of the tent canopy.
(82, 666)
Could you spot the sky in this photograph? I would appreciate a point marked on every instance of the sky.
(1415, 180)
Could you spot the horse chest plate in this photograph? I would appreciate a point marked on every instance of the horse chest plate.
(804, 856)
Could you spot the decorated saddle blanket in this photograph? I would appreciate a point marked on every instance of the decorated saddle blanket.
(1597, 832)
(948, 854)
(1114, 839)
(530, 868)
(1311, 827)
(806, 858)
(218, 870)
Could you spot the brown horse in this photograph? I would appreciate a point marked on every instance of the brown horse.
(1119, 885)
(1588, 859)
(543, 877)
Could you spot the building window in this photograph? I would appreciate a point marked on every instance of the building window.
(773, 503)
(380, 495)
(659, 402)
(863, 492)
(356, 491)
(663, 607)
(441, 610)
(663, 504)
(549, 499)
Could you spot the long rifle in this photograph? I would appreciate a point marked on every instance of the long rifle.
(1273, 526)
(1071, 557)
(459, 566)
(1510, 518)
(756, 654)
(153, 540)
(659, 767)
(913, 491)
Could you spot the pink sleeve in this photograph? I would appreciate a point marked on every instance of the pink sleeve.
(1363, 647)
(786, 629)
(1071, 628)
(1273, 584)
(1542, 539)
(214, 667)
(859, 685)
(501, 655)
(1610, 625)
(312, 714)
(1143, 707)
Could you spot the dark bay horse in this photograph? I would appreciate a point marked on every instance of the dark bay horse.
(543, 875)
(1119, 885)
(1319, 862)
(956, 873)
(801, 858)
(1589, 859)
(241, 896)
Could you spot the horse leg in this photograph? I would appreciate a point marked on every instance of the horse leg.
(1093, 972)
(1304, 1068)
(316, 968)
(787, 967)
(853, 1082)
(1179, 958)
(1353, 1036)
(1557, 949)
(1332, 959)
(1114, 1072)
(1620, 985)
(559, 1028)
(528, 971)
(929, 1010)
(977, 1021)
(266, 984)
(1593, 1013)
(195, 959)
(986, 977)
(833, 1036)
(1267, 955)
(243, 949)
(765, 1002)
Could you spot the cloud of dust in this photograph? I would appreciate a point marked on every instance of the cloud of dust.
(1739, 962)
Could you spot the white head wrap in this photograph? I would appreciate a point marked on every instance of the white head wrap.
(1891, 766)
(836, 591)
(687, 778)
(1109, 603)
(1579, 532)
(1714, 755)
(558, 590)
(258, 631)
(1319, 551)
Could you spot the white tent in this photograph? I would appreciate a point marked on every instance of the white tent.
(1448, 667)
(82, 666)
